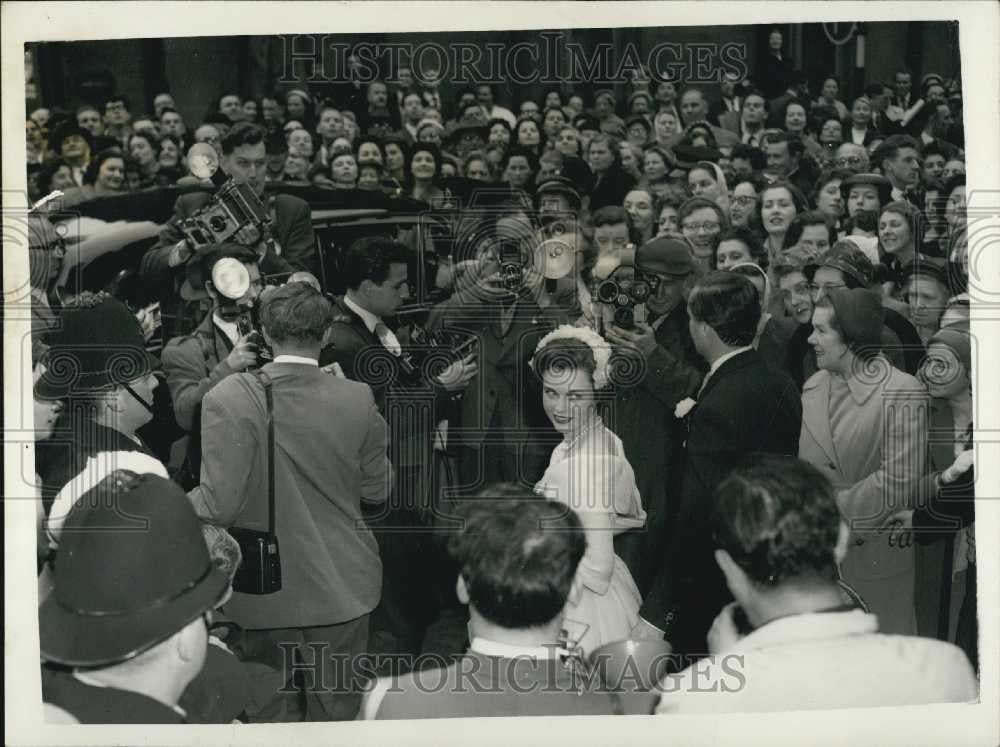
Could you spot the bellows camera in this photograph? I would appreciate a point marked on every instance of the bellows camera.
(233, 207)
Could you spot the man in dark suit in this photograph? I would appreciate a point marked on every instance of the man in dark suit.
(329, 457)
(517, 562)
(412, 403)
(290, 247)
(643, 414)
(744, 407)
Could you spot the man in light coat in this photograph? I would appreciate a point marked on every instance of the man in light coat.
(330, 455)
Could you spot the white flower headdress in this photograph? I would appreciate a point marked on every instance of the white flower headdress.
(597, 344)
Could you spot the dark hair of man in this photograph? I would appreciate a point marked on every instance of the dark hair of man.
(825, 178)
(863, 352)
(891, 146)
(875, 89)
(808, 218)
(758, 93)
(518, 150)
(408, 93)
(86, 108)
(276, 143)
(795, 146)
(758, 254)
(865, 220)
(242, 133)
(784, 268)
(370, 258)
(609, 215)
(698, 203)
(778, 520)
(729, 304)
(296, 312)
(756, 157)
(935, 149)
(366, 141)
(214, 118)
(562, 357)
(115, 99)
(518, 556)
(168, 110)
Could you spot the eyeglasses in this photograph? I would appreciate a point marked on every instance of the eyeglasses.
(798, 289)
(849, 161)
(745, 200)
(818, 290)
(706, 226)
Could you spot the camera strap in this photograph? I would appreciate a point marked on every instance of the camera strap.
(265, 382)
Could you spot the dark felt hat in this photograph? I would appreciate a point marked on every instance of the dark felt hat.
(558, 185)
(67, 129)
(883, 185)
(847, 258)
(133, 570)
(638, 119)
(932, 267)
(688, 155)
(665, 256)
(99, 345)
(859, 314)
(468, 125)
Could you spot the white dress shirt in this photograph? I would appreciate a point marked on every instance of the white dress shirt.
(388, 338)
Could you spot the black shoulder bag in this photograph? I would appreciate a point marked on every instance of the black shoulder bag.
(260, 571)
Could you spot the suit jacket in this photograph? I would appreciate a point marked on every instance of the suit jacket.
(643, 417)
(480, 685)
(718, 108)
(292, 230)
(746, 407)
(611, 189)
(411, 405)
(330, 454)
(732, 124)
(503, 398)
(92, 704)
(874, 464)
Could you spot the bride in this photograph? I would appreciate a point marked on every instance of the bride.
(588, 473)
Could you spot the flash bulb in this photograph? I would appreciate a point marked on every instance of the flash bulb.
(230, 278)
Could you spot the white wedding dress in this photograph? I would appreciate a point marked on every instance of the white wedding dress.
(592, 476)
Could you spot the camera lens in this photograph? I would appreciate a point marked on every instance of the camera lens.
(607, 291)
(218, 223)
(640, 291)
(624, 317)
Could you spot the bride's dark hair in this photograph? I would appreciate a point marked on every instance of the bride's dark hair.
(563, 355)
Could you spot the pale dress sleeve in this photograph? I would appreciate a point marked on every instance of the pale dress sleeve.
(588, 485)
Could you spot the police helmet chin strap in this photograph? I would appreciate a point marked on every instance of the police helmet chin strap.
(128, 388)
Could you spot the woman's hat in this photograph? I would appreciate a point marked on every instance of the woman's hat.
(847, 258)
(638, 119)
(956, 337)
(859, 314)
(132, 571)
(98, 346)
(468, 125)
(883, 185)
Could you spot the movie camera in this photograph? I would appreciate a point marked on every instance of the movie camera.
(621, 291)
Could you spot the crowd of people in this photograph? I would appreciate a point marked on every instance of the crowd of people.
(736, 422)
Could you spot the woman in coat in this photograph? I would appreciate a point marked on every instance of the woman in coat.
(864, 425)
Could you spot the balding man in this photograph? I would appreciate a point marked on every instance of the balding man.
(694, 108)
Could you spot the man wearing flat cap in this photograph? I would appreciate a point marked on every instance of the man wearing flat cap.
(130, 611)
(669, 370)
(928, 288)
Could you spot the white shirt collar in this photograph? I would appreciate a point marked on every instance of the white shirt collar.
(367, 317)
(229, 329)
(296, 359)
(507, 651)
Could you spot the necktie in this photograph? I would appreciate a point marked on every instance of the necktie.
(388, 339)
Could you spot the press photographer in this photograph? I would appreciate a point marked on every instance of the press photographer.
(663, 368)
(229, 275)
(285, 244)
(290, 452)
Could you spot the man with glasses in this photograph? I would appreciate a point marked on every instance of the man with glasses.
(118, 120)
(665, 368)
(853, 158)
